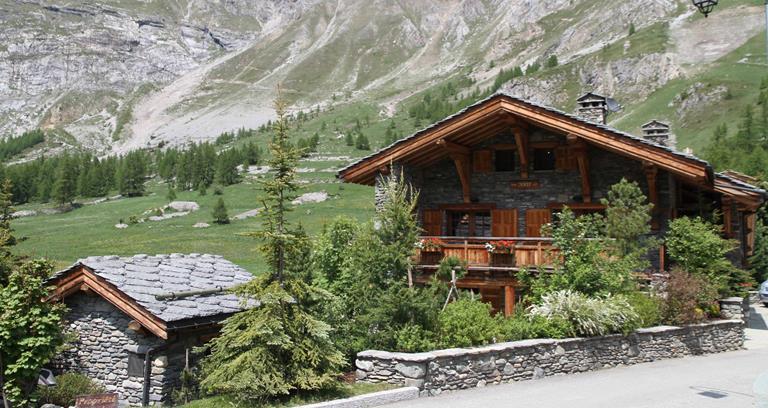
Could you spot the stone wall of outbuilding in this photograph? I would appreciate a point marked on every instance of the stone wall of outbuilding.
(446, 370)
(102, 346)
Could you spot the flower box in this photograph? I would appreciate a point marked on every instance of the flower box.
(431, 257)
(503, 259)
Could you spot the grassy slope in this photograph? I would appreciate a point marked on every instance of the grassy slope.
(90, 230)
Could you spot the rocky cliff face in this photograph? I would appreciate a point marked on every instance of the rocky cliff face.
(128, 74)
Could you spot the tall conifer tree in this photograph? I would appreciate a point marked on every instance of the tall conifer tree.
(279, 347)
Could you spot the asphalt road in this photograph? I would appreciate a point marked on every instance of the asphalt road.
(720, 380)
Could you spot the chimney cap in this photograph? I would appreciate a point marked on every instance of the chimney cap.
(591, 97)
(655, 125)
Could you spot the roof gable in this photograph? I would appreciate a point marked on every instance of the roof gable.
(502, 110)
(161, 292)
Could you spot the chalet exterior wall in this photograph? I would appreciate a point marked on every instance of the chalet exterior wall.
(446, 370)
(440, 185)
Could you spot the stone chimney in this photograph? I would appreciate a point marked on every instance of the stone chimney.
(659, 132)
(593, 107)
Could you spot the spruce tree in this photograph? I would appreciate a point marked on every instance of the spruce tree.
(65, 186)
(171, 195)
(362, 142)
(279, 347)
(220, 215)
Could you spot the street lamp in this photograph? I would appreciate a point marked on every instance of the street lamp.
(705, 6)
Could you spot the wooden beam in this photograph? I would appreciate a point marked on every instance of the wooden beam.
(454, 148)
(478, 115)
(84, 277)
(608, 140)
(461, 156)
(137, 327)
(726, 206)
(579, 149)
(651, 172)
(521, 139)
(509, 300)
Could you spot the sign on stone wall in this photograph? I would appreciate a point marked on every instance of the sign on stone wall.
(97, 401)
(525, 185)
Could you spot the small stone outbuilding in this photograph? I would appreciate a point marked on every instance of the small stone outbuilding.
(136, 319)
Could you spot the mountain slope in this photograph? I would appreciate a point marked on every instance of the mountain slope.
(131, 74)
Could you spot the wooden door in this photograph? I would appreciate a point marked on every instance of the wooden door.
(535, 218)
(432, 222)
(504, 223)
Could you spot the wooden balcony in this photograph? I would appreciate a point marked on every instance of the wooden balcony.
(527, 252)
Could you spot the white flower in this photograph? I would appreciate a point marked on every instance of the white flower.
(489, 247)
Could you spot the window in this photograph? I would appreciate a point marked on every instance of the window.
(135, 365)
(543, 159)
(505, 160)
(469, 223)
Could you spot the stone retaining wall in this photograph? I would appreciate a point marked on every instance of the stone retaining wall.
(452, 369)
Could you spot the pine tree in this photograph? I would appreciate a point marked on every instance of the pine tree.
(362, 142)
(171, 195)
(552, 61)
(65, 186)
(220, 215)
(133, 172)
(350, 139)
(279, 347)
(631, 28)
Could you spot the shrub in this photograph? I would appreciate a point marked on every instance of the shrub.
(68, 387)
(522, 327)
(587, 316)
(695, 244)
(413, 338)
(468, 322)
(647, 307)
(689, 298)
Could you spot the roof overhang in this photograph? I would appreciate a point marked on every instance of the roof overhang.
(81, 278)
(501, 111)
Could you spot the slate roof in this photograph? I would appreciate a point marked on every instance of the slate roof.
(504, 94)
(143, 277)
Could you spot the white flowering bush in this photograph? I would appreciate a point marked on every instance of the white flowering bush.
(587, 316)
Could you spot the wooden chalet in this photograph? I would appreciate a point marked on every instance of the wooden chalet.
(497, 170)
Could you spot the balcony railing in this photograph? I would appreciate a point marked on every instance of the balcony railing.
(525, 252)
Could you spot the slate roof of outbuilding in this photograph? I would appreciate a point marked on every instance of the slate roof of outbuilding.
(144, 277)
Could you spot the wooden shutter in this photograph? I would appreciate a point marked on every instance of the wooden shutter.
(432, 222)
(565, 159)
(482, 161)
(504, 223)
(535, 219)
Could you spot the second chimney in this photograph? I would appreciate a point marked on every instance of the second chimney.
(593, 107)
(658, 132)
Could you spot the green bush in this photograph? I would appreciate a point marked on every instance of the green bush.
(522, 327)
(468, 322)
(413, 338)
(68, 387)
(587, 316)
(647, 307)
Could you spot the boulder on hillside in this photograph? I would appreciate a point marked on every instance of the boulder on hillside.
(316, 197)
(187, 206)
